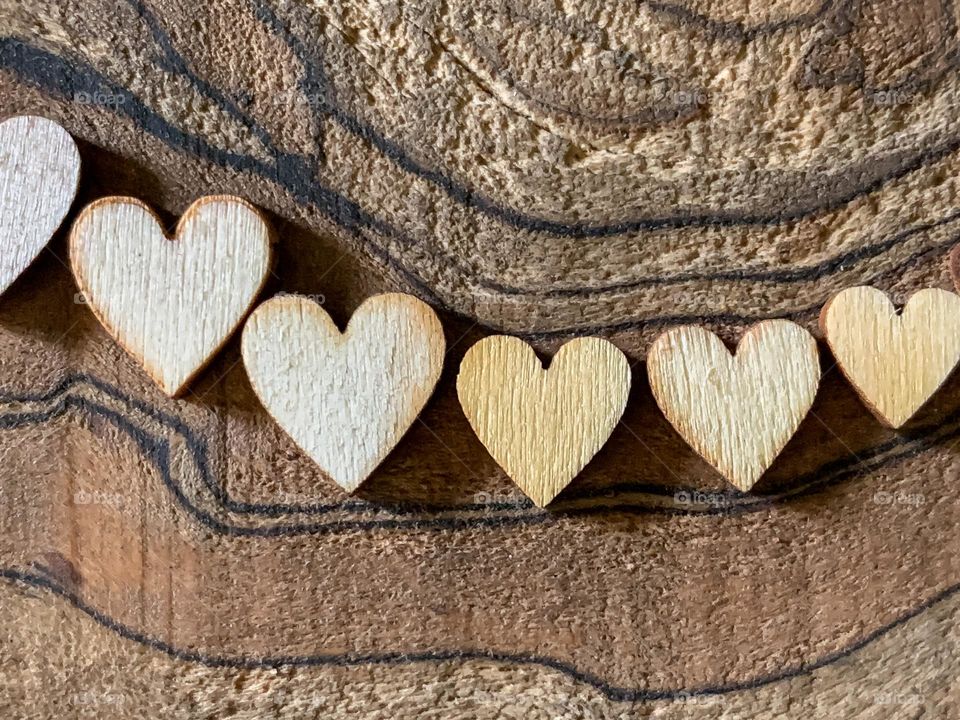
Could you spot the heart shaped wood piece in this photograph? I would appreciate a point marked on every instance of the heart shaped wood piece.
(345, 398)
(737, 411)
(170, 302)
(542, 426)
(39, 172)
(895, 362)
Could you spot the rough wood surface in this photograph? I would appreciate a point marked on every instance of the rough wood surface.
(737, 410)
(171, 302)
(538, 169)
(345, 398)
(39, 171)
(955, 266)
(543, 425)
(896, 361)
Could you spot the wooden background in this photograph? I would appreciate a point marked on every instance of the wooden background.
(548, 170)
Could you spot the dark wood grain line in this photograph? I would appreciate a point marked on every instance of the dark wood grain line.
(155, 448)
(54, 74)
(612, 692)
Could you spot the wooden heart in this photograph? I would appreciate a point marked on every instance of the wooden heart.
(171, 302)
(896, 362)
(737, 411)
(346, 398)
(39, 172)
(543, 426)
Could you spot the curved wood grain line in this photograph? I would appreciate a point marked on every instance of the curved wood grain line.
(843, 262)
(408, 657)
(734, 30)
(806, 314)
(467, 196)
(915, 81)
(156, 448)
(294, 174)
(647, 117)
(470, 198)
(51, 67)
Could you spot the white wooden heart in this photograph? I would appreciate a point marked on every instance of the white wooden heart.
(895, 362)
(542, 426)
(39, 172)
(737, 411)
(346, 398)
(171, 302)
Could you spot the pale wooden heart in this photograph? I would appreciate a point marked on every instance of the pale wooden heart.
(895, 362)
(171, 302)
(39, 172)
(737, 411)
(543, 426)
(346, 398)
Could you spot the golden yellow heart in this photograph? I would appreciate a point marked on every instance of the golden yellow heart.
(896, 362)
(542, 426)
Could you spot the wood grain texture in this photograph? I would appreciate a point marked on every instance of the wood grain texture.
(543, 425)
(171, 302)
(345, 398)
(39, 172)
(955, 267)
(895, 361)
(539, 169)
(736, 410)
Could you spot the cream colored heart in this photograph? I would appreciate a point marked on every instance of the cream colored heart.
(39, 172)
(895, 362)
(543, 426)
(346, 398)
(170, 302)
(737, 411)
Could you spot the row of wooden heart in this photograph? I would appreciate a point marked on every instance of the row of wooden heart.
(346, 399)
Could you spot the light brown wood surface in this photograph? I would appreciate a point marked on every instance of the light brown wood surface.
(172, 302)
(542, 426)
(538, 169)
(737, 411)
(895, 361)
(345, 398)
(39, 172)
